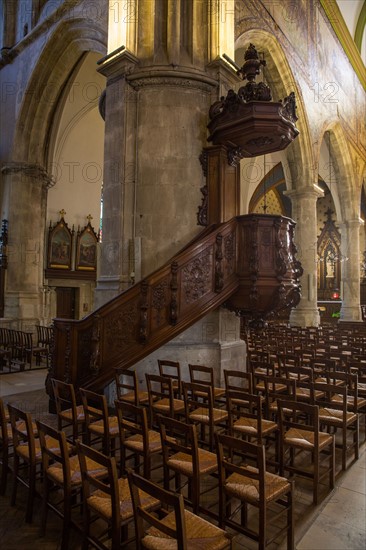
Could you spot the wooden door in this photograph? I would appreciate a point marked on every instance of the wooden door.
(66, 302)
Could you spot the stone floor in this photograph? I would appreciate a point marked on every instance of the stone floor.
(337, 523)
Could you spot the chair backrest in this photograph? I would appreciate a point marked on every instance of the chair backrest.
(126, 383)
(241, 404)
(335, 397)
(200, 374)
(95, 407)
(159, 387)
(91, 460)
(22, 430)
(253, 460)
(298, 415)
(54, 448)
(178, 437)
(238, 380)
(4, 419)
(197, 396)
(171, 369)
(132, 420)
(145, 519)
(64, 396)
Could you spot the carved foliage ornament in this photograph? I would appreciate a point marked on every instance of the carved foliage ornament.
(196, 277)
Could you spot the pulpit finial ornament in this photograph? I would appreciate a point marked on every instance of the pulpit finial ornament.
(62, 213)
(248, 122)
(253, 91)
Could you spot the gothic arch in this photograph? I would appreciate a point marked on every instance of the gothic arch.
(346, 177)
(70, 39)
(300, 152)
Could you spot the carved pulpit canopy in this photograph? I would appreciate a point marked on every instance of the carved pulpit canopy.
(248, 122)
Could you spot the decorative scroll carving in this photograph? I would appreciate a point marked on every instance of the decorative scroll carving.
(219, 275)
(229, 253)
(261, 141)
(95, 346)
(202, 214)
(84, 351)
(173, 317)
(203, 158)
(159, 300)
(234, 155)
(283, 263)
(67, 371)
(196, 278)
(143, 312)
(288, 109)
(120, 328)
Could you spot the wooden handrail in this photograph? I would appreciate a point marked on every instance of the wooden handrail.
(245, 262)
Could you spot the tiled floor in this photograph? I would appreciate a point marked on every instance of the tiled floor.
(337, 523)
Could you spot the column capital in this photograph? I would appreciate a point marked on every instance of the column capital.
(313, 191)
(35, 171)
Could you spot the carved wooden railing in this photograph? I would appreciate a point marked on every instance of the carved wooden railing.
(150, 313)
(248, 262)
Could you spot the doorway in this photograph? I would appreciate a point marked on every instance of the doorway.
(66, 302)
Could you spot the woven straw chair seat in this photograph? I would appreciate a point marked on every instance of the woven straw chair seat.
(360, 402)
(335, 416)
(247, 489)
(55, 471)
(67, 414)
(130, 397)
(136, 443)
(201, 535)
(217, 392)
(201, 415)
(306, 438)
(98, 426)
(163, 405)
(52, 444)
(101, 501)
(182, 462)
(249, 426)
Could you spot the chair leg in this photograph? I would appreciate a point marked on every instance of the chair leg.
(290, 520)
(15, 480)
(31, 493)
(4, 470)
(66, 521)
(44, 505)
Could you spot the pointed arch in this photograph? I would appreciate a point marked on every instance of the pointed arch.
(70, 39)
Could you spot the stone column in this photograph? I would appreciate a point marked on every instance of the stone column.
(26, 189)
(304, 214)
(159, 90)
(350, 271)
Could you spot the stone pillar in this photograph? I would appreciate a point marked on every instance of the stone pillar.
(304, 214)
(159, 90)
(350, 270)
(26, 187)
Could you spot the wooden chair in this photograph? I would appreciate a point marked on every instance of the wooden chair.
(108, 500)
(136, 437)
(200, 374)
(171, 369)
(238, 380)
(100, 428)
(199, 409)
(300, 433)
(161, 397)
(68, 412)
(251, 484)
(335, 412)
(179, 528)
(32, 350)
(6, 441)
(183, 457)
(27, 456)
(62, 471)
(127, 387)
(276, 388)
(245, 418)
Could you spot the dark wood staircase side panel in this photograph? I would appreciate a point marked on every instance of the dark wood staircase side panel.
(152, 312)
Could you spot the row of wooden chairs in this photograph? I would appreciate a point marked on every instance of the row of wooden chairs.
(117, 501)
(17, 347)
